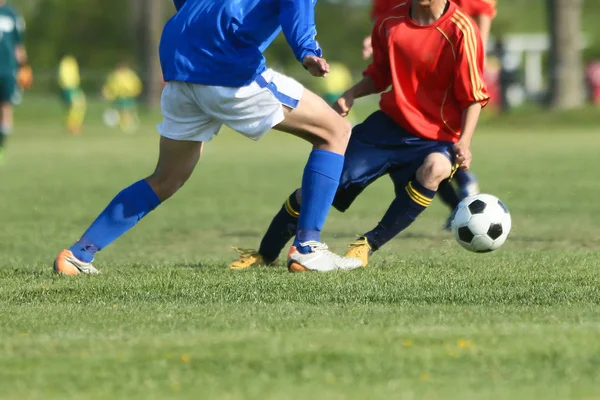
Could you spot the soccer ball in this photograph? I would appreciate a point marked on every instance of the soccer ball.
(481, 223)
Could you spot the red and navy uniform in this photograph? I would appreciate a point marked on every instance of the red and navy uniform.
(433, 73)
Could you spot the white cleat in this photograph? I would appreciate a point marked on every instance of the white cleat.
(320, 259)
(67, 264)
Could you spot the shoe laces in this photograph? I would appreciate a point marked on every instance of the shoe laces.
(246, 252)
(360, 242)
(315, 246)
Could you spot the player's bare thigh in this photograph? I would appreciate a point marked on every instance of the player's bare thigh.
(315, 121)
(434, 170)
(176, 162)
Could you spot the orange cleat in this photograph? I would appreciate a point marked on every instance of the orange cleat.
(67, 264)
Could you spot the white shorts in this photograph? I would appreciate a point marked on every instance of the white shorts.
(197, 112)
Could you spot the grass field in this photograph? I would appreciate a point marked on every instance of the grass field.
(427, 320)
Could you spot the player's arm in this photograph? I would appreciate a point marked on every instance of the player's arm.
(485, 25)
(470, 90)
(25, 74)
(377, 76)
(297, 19)
(486, 12)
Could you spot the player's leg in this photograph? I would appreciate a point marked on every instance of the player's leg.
(176, 163)
(281, 230)
(467, 185)
(178, 157)
(77, 109)
(364, 163)
(411, 200)
(329, 133)
(7, 91)
(449, 196)
(6, 124)
(278, 102)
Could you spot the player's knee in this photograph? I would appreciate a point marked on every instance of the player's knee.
(338, 135)
(434, 170)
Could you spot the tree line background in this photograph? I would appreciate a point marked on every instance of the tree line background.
(101, 33)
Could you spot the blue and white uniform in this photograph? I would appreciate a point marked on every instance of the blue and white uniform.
(211, 54)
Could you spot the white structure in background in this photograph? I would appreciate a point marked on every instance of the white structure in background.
(527, 50)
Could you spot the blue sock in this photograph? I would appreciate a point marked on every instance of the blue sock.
(282, 229)
(319, 184)
(403, 211)
(123, 212)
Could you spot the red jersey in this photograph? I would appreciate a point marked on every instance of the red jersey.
(380, 7)
(435, 71)
(476, 8)
(473, 8)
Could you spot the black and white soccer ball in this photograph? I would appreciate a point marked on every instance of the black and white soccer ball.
(481, 223)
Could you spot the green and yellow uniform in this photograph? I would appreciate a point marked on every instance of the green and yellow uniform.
(70, 84)
(337, 81)
(123, 87)
(12, 30)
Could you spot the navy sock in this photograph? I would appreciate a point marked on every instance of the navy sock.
(282, 229)
(319, 184)
(122, 214)
(403, 211)
(448, 194)
(463, 177)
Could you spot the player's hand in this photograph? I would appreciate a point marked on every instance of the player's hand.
(367, 50)
(343, 105)
(25, 77)
(463, 155)
(317, 66)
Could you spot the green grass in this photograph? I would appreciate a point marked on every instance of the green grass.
(427, 320)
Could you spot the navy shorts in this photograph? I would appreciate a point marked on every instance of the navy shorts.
(380, 146)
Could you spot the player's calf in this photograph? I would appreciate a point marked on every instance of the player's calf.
(176, 163)
(411, 200)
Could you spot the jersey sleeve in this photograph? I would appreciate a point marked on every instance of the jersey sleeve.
(379, 69)
(469, 82)
(485, 7)
(179, 4)
(297, 19)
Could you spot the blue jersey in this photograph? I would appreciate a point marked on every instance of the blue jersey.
(221, 42)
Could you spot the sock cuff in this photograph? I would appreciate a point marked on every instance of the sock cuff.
(419, 194)
(143, 189)
(326, 163)
(291, 206)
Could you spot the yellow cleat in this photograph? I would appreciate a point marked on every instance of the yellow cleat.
(248, 258)
(360, 249)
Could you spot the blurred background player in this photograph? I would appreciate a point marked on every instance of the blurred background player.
(14, 71)
(123, 86)
(335, 83)
(72, 94)
(422, 131)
